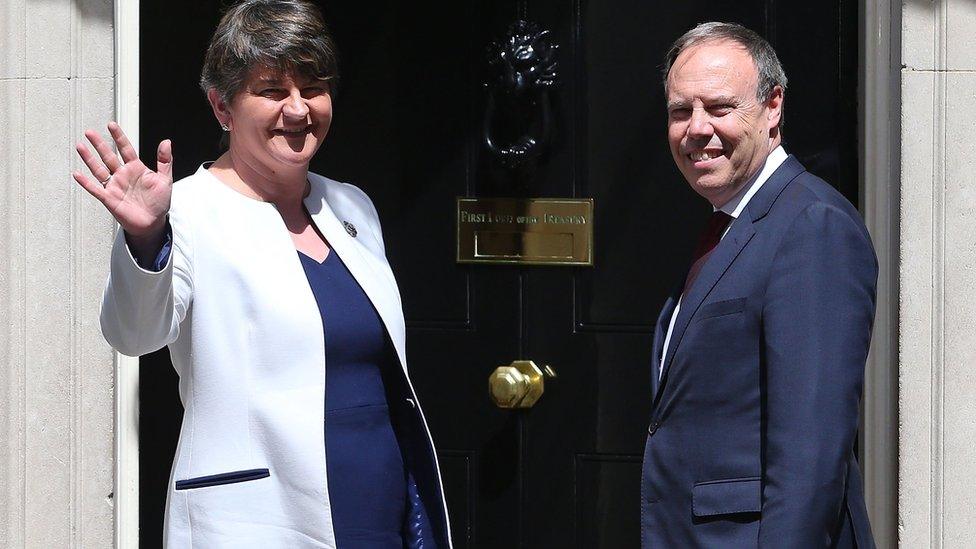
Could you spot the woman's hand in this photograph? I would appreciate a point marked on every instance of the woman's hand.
(136, 196)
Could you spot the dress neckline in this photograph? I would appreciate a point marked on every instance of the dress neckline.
(306, 257)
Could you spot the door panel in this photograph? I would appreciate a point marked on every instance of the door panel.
(407, 129)
(606, 515)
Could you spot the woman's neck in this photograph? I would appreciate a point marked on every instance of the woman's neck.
(285, 188)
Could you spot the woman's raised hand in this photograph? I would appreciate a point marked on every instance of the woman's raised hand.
(136, 196)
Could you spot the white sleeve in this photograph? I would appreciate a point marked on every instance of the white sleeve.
(142, 310)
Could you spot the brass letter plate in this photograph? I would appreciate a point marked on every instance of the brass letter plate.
(525, 231)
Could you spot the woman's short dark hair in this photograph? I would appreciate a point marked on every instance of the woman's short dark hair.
(287, 36)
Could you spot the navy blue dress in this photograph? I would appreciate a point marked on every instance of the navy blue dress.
(365, 468)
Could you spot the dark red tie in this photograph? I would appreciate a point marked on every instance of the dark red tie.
(709, 239)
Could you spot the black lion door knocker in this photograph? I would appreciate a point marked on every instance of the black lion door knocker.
(518, 114)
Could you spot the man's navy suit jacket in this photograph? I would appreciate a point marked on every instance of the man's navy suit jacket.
(753, 424)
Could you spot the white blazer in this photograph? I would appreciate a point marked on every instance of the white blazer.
(246, 338)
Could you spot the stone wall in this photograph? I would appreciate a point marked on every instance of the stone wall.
(56, 372)
(937, 354)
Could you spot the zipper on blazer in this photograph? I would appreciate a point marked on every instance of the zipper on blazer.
(222, 478)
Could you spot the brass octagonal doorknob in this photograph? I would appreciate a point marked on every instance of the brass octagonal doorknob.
(518, 385)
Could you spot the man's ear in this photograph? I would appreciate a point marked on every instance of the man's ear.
(774, 107)
(220, 108)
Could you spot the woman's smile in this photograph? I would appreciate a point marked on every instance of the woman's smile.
(293, 132)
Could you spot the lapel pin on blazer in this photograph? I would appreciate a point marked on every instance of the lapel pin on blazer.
(350, 228)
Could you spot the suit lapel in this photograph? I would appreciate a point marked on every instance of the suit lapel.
(760, 204)
(360, 264)
(740, 233)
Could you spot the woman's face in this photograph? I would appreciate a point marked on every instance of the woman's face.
(280, 120)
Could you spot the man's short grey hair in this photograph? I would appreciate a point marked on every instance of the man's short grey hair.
(771, 73)
(286, 36)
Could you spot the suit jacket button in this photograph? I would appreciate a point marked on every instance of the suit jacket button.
(652, 428)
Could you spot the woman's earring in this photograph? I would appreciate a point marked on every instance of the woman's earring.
(225, 127)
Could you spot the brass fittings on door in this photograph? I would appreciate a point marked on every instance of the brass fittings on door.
(518, 385)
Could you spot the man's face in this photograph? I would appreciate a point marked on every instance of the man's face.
(719, 133)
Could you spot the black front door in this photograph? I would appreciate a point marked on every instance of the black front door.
(408, 130)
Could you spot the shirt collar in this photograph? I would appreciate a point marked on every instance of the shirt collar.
(738, 202)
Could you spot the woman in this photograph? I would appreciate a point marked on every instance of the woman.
(270, 286)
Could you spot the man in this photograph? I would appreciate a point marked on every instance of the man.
(759, 355)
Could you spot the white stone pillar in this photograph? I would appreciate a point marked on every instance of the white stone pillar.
(56, 372)
(937, 386)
